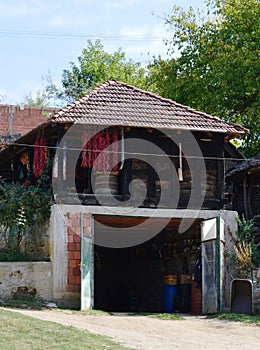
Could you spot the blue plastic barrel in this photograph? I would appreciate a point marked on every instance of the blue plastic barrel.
(170, 294)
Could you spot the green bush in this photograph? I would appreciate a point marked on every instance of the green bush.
(20, 207)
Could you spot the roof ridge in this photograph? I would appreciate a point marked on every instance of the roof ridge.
(164, 101)
(161, 98)
(152, 94)
(79, 100)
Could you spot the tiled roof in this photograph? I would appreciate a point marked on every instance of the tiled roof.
(246, 165)
(116, 103)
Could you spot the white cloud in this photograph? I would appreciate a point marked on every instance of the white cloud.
(59, 21)
(83, 2)
(146, 42)
(155, 32)
(115, 4)
(14, 9)
(68, 20)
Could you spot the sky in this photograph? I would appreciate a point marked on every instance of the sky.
(41, 37)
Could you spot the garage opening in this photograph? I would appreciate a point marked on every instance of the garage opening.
(135, 279)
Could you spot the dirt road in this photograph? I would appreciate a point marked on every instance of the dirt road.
(145, 333)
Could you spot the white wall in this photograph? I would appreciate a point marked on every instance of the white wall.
(31, 275)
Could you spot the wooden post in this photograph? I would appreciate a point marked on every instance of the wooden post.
(60, 159)
(220, 171)
(30, 165)
(125, 177)
(151, 189)
(245, 197)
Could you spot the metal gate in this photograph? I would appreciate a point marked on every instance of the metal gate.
(212, 245)
(87, 267)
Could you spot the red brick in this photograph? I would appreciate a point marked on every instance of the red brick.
(76, 239)
(77, 255)
(73, 263)
(24, 120)
(72, 247)
(71, 256)
(70, 230)
(76, 271)
(72, 279)
(70, 271)
(77, 230)
(77, 278)
(78, 247)
(70, 238)
(75, 222)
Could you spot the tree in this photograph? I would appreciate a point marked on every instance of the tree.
(95, 66)
(20, 207)
(162, 77)
(41, 99)
(45, 97)
(217, 68)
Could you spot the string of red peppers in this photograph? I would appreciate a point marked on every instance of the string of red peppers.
(40, 156)
(92, 151)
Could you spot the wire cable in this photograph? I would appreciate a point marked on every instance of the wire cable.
(131, 153)
(30, 34)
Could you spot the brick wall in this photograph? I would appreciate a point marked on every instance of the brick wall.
(74, 247)
(24, 120)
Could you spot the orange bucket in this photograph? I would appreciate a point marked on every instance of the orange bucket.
(170, 280)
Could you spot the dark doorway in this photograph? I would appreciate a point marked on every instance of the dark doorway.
(133, 279)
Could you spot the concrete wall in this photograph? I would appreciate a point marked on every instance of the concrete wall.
(26, 279)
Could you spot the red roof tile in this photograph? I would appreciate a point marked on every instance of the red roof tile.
(116, 103)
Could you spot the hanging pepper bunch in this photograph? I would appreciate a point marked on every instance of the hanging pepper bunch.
(105, 155)
(86, 151)
(94, 151)
(40, 156)
(115, 150)
(99, 145)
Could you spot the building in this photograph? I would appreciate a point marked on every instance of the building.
(139, 194)
(244, 186)
(16, 121)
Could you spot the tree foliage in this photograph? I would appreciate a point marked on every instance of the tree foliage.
(20, 207)
(217, 65)
(40, 100)
(95, 66)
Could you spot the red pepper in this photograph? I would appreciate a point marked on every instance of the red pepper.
(40, 156)
(115, 150)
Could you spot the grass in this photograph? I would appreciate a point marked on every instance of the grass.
(24, 303)
(161, 316)
(26, 333)
(90, 312)
(249, 319)
(32, 304)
